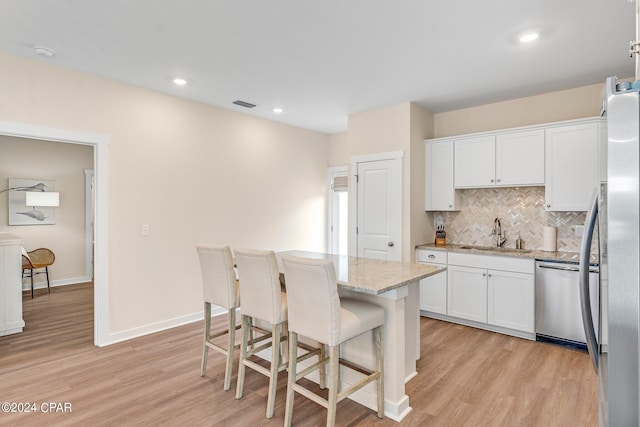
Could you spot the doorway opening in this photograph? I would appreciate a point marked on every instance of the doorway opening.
(338, 224)
(100, 224)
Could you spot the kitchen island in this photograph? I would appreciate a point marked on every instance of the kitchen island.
(394, 286)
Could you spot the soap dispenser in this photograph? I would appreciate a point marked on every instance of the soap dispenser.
(518, 242)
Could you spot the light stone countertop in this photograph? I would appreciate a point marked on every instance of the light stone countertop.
(538, 255)
(369, 276)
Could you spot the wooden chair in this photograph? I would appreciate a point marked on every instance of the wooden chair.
(316, 311)
(263, 301)
(219, 287)
(37, 259)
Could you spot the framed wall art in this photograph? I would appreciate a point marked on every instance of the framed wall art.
(19, 212)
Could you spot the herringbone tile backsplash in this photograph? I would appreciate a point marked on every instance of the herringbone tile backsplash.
(521, 210)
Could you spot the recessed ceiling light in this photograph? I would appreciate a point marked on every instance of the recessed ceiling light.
(44, 51)
(277, 110)
(528, 37)
(180, 81)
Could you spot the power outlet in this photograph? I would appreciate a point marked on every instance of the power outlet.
(144, 230)
(578, 230)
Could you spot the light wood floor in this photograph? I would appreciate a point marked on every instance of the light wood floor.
(466, 377)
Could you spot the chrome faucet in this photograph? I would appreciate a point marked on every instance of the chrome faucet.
(497, 231)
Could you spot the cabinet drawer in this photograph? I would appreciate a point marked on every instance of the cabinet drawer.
(505, 263)
(431, 257)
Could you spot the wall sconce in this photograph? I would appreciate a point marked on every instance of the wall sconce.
(37, 198)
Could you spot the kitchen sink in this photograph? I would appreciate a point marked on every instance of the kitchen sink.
(479, 248)
(497, 250)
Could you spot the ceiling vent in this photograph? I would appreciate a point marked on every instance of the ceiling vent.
(244, 104)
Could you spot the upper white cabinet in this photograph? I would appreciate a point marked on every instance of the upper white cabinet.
(505, 159)
(440, 193)
(520, 158)
(475, 162)
(572, 166)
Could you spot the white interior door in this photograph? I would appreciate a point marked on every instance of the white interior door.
(379, 209)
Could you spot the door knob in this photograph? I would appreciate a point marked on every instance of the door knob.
(390, 244)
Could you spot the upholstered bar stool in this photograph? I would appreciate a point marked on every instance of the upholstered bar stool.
(316, 311)
(262, 300)
(219, 287)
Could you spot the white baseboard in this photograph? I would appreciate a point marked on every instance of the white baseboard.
(499, 329)
(26, 282)
(151, 328)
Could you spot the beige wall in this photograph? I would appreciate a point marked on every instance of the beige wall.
(402, 127)
(421, 228)
(338, 149)
(193, 172)
(65, 164)
(380, 131)
(549, 107)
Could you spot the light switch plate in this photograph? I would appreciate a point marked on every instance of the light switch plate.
(144, 230)
(578, 230)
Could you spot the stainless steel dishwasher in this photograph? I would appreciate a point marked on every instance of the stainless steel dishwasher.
(558, 317)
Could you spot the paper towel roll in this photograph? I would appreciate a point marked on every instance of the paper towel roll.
(549, 239)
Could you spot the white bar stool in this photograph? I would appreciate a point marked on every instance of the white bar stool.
(219, 287)
(316, 311)
(263, 299)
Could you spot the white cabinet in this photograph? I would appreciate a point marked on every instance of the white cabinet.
(520, 158)
(498, 291)
(510, 300)
(467, 293)
(440, 193)
(433, 289)
(505, 159)
(572, 166)
(10, 284)
(475, 162)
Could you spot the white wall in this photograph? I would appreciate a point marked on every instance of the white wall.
(193, 172)
(65, 164)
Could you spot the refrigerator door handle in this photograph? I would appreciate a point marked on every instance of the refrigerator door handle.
(585, 298)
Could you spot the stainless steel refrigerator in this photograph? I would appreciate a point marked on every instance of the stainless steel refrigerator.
(615, 214)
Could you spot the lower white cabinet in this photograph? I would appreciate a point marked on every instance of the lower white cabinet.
(510, 300)
(467, 293)
(433, 293)
(433, 289)
(491, 292)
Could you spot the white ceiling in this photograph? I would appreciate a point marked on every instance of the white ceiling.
(323, 60)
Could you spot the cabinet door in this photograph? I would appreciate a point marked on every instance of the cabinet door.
(511, 299)
(475, 162)
(520, 158)
(571, 166)
(433, 293)
(440, 194)
(467, 293)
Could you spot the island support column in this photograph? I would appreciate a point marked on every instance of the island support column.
(400, 349)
